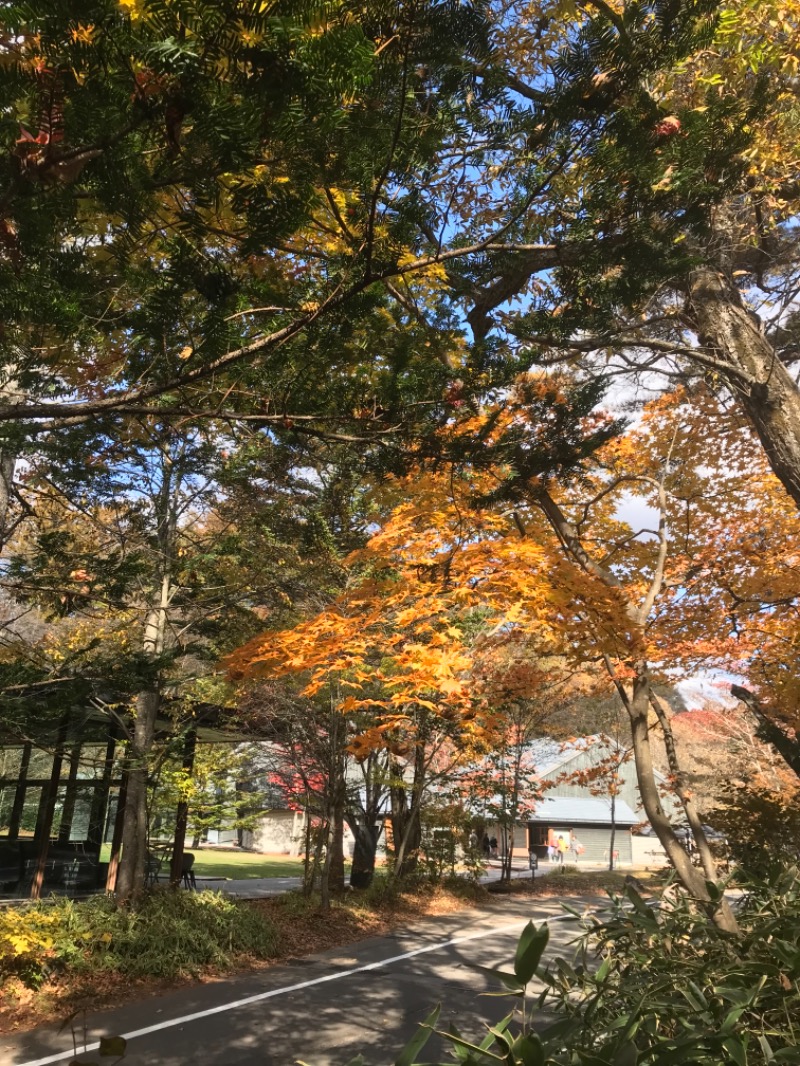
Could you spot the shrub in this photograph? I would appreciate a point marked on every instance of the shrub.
(654, 988)
(386, 891)
(26, 944)
(170, 933)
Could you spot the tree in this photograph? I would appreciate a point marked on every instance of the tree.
(617, 583)
(391, 660)
(673, 226)
(520, 695)
(251, 169)
(577, 577)
(603, 778)
(211, 790)
(147, 547)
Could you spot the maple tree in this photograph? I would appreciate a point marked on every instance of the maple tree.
(519, 696)
(743, 570)
(602, 778)
(390, 651)
(561, 568)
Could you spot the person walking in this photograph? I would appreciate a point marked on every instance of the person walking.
(575, 846)
(552, 845)
(563, 848)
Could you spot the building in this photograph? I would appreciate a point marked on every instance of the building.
(63, 793)
(592, 821)
(576, 798)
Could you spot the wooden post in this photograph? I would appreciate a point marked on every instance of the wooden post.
(19, 795)
(116, 839)
(65, 828)
(182, 814)
(97, 815)
(47, 807)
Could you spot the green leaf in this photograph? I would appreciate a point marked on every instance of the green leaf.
(502, 1038)
(695, 996)
(419, 1039)
(501, 1026)
(628, 1054)
(484, 1048)
(736, 1050)
(731, 1018)
(603, 972)
(530, 949)
(510, 980)
(786, 1054)
(528, 1051)
(459, 1051)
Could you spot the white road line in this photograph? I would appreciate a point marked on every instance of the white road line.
(62, 1055)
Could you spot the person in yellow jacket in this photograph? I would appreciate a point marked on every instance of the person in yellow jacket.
(563, 847)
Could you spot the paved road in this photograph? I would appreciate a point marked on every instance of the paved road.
(261, 887)
(367, 997)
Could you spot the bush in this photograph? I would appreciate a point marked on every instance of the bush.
(762, 827)
(169, 934)
(655, 988)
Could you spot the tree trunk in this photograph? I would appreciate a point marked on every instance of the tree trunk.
(690, 877)
(325, 873)
(365, 849)
(689, 809)
(786, 747)
(362, 812)
(316, 865)
(336, 790)
(407, 855)
(8, 462)
(406, 821)
(308, 879)
(511, 820)
(613, 838)
(131, 874)
(336, 867)
(770, 399)
(182, 814)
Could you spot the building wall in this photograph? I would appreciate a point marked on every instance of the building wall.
(277, 833)
(284, 833)
(520, 838)
(585, 760)
(596, 841)
(647, 852)
(222, 836)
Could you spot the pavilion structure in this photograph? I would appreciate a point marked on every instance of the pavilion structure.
(62, 801)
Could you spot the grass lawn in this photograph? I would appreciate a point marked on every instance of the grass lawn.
(237, 865)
